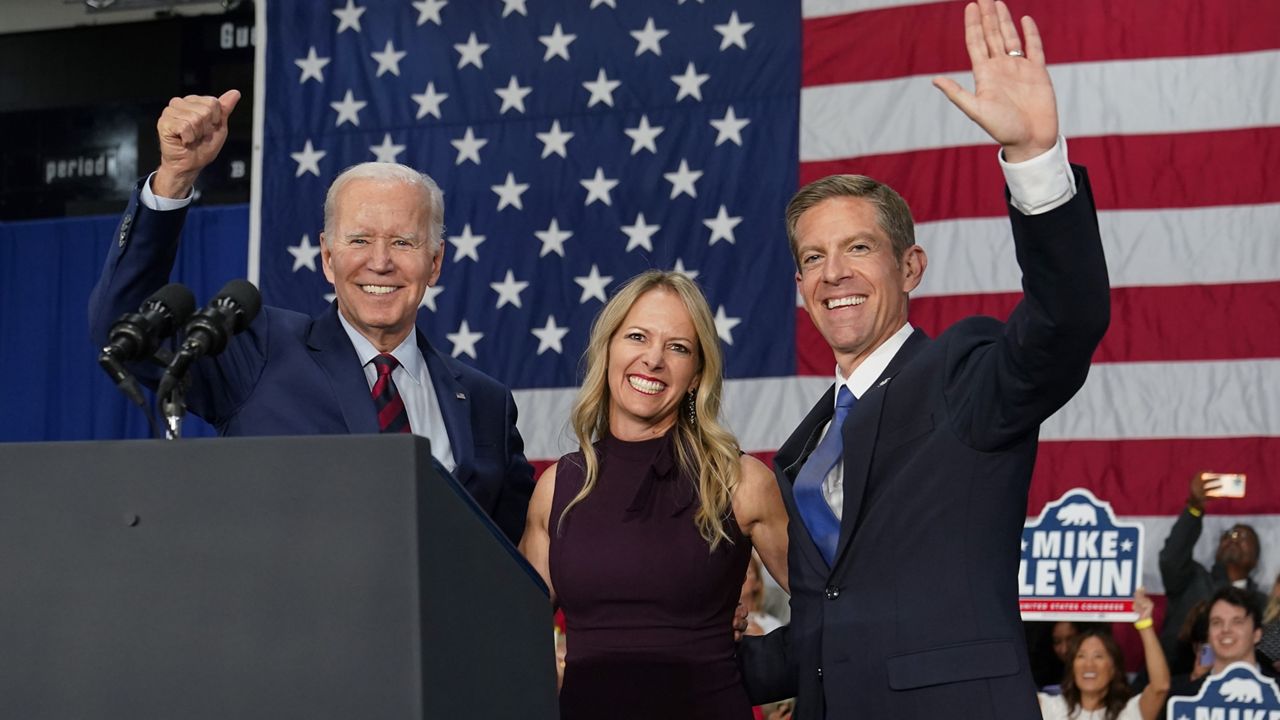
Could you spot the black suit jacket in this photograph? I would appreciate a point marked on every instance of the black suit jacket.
(918, 617)
(294, 374)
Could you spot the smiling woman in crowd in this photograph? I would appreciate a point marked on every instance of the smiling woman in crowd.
(1094, 685)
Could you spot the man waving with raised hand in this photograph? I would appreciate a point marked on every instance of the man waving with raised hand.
(907, 482)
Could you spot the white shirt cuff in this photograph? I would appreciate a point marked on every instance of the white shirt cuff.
(1042, 183)
(155, 202)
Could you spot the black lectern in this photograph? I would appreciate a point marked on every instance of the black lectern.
(321, 577)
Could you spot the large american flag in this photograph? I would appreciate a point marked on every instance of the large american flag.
(579, 142)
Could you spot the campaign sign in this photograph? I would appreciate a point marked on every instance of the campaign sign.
(1237, 693)
(1078, 562)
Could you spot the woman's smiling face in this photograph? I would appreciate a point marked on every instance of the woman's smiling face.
(653, 363)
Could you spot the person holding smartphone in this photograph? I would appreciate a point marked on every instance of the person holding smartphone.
(1187, 582)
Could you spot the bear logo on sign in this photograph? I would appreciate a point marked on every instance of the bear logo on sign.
(1241, 689)
(1239, 692)
(1079, 562)
(1077, 514)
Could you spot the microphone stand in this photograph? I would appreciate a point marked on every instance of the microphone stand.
(173, 408)
(172, 404)
(128, 385)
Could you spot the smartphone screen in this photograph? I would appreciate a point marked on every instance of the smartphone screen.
(1206, 656)
(1224, 485)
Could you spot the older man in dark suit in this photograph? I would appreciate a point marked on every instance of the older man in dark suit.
(907, 482)
(362, 366)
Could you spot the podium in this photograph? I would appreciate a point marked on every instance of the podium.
(316, 577)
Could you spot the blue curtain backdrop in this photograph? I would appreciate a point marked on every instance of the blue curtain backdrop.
(52, 387)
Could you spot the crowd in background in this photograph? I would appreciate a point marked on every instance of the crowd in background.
(1210, 617)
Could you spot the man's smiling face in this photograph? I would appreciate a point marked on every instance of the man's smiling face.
(853, 286)
(380, 258)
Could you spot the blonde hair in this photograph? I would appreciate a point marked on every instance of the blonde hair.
(704, 447)
(1272, 613)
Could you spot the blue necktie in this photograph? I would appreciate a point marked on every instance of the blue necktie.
(822, 523)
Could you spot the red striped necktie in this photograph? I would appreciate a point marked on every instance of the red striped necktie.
(392, 416)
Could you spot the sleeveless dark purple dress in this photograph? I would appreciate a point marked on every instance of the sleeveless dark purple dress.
(648, 609)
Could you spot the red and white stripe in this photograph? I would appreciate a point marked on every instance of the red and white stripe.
(1174, 106)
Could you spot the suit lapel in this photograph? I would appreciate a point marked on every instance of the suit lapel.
(335, 354)
(455, 406)
(860, 432)
(791, 457)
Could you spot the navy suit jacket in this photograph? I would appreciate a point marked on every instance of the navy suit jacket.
(294, 374)
(918, 617)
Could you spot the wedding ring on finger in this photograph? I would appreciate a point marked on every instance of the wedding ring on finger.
(1016, 53)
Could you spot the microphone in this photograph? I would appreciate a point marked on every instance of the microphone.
(136, 336)
(207, 332)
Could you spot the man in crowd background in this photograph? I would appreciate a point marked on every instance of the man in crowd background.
(1187, 582)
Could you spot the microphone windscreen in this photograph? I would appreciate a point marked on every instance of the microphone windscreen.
(247, 301)
(178, 299)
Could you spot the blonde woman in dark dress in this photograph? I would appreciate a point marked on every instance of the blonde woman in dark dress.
(645, 532)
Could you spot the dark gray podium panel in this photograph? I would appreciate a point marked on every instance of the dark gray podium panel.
(328, 577)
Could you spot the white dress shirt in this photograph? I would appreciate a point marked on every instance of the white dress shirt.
(858, 382)
(414, 384)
